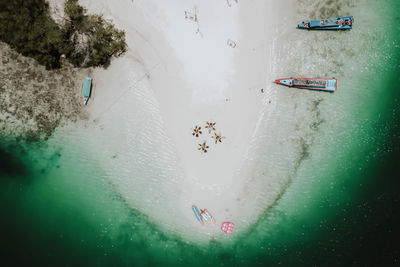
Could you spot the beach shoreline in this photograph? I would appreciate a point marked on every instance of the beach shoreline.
(216, 69)
(35, 101)
(188, 64)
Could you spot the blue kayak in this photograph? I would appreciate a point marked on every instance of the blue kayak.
(339, 23)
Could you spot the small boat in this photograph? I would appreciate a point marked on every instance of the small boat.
(86, 89)
(322, 84)
(339, 23)
(198, 215)
(207, 217)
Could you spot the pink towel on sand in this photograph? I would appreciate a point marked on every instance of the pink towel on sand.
(227, 227)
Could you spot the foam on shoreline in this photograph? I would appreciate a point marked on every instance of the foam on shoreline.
(189, 72)
(179, 73)
(101, 191)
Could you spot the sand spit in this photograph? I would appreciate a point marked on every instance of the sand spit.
(35, 101)
(188, 63)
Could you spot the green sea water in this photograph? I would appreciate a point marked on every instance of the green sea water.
(58, 208)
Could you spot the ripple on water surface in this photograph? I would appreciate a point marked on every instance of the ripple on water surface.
(317, 138)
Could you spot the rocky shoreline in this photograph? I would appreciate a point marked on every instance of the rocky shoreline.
(35, 101)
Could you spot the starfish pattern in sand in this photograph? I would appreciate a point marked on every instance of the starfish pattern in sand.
(197, 131)
(218, 137)
(210, 126)
(203, 147)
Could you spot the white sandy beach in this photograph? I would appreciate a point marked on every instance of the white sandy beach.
(178, 73)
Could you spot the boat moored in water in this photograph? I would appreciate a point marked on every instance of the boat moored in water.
(86, 89)
(338, 23)
(322, 84)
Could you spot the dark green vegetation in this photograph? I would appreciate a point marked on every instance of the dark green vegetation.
(26, 26)
(95, 39)
(86, 40)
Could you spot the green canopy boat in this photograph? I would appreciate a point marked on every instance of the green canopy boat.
(87, 87)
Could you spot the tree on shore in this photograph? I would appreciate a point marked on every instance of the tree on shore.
(75, 13)
(105, 42)
(86, 40)
(26, 25)
(95, 39)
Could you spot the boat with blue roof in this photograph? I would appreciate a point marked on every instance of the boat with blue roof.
(320, 84)
(338, 23)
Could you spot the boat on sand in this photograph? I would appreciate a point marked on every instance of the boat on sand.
(338, 23)
(86, 89)
(321, 84)
(197, 214)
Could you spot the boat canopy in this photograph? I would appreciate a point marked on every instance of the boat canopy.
(308, 82)
(315, 23)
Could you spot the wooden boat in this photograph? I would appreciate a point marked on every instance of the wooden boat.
(197, 214)
(86, 89)
(339, 23)
(322, 84)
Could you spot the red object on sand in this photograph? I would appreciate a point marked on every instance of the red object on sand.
(227, 227)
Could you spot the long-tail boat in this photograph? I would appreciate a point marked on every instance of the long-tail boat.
(339, 23)
(322, 84)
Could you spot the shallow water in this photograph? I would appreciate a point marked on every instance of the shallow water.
(59, 205)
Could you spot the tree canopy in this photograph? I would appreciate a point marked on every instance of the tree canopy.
(86, 40)
(27, 27)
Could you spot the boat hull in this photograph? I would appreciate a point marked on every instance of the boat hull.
(338, 23)
(319, 84)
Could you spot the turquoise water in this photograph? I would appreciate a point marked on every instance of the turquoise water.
(59, 208)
